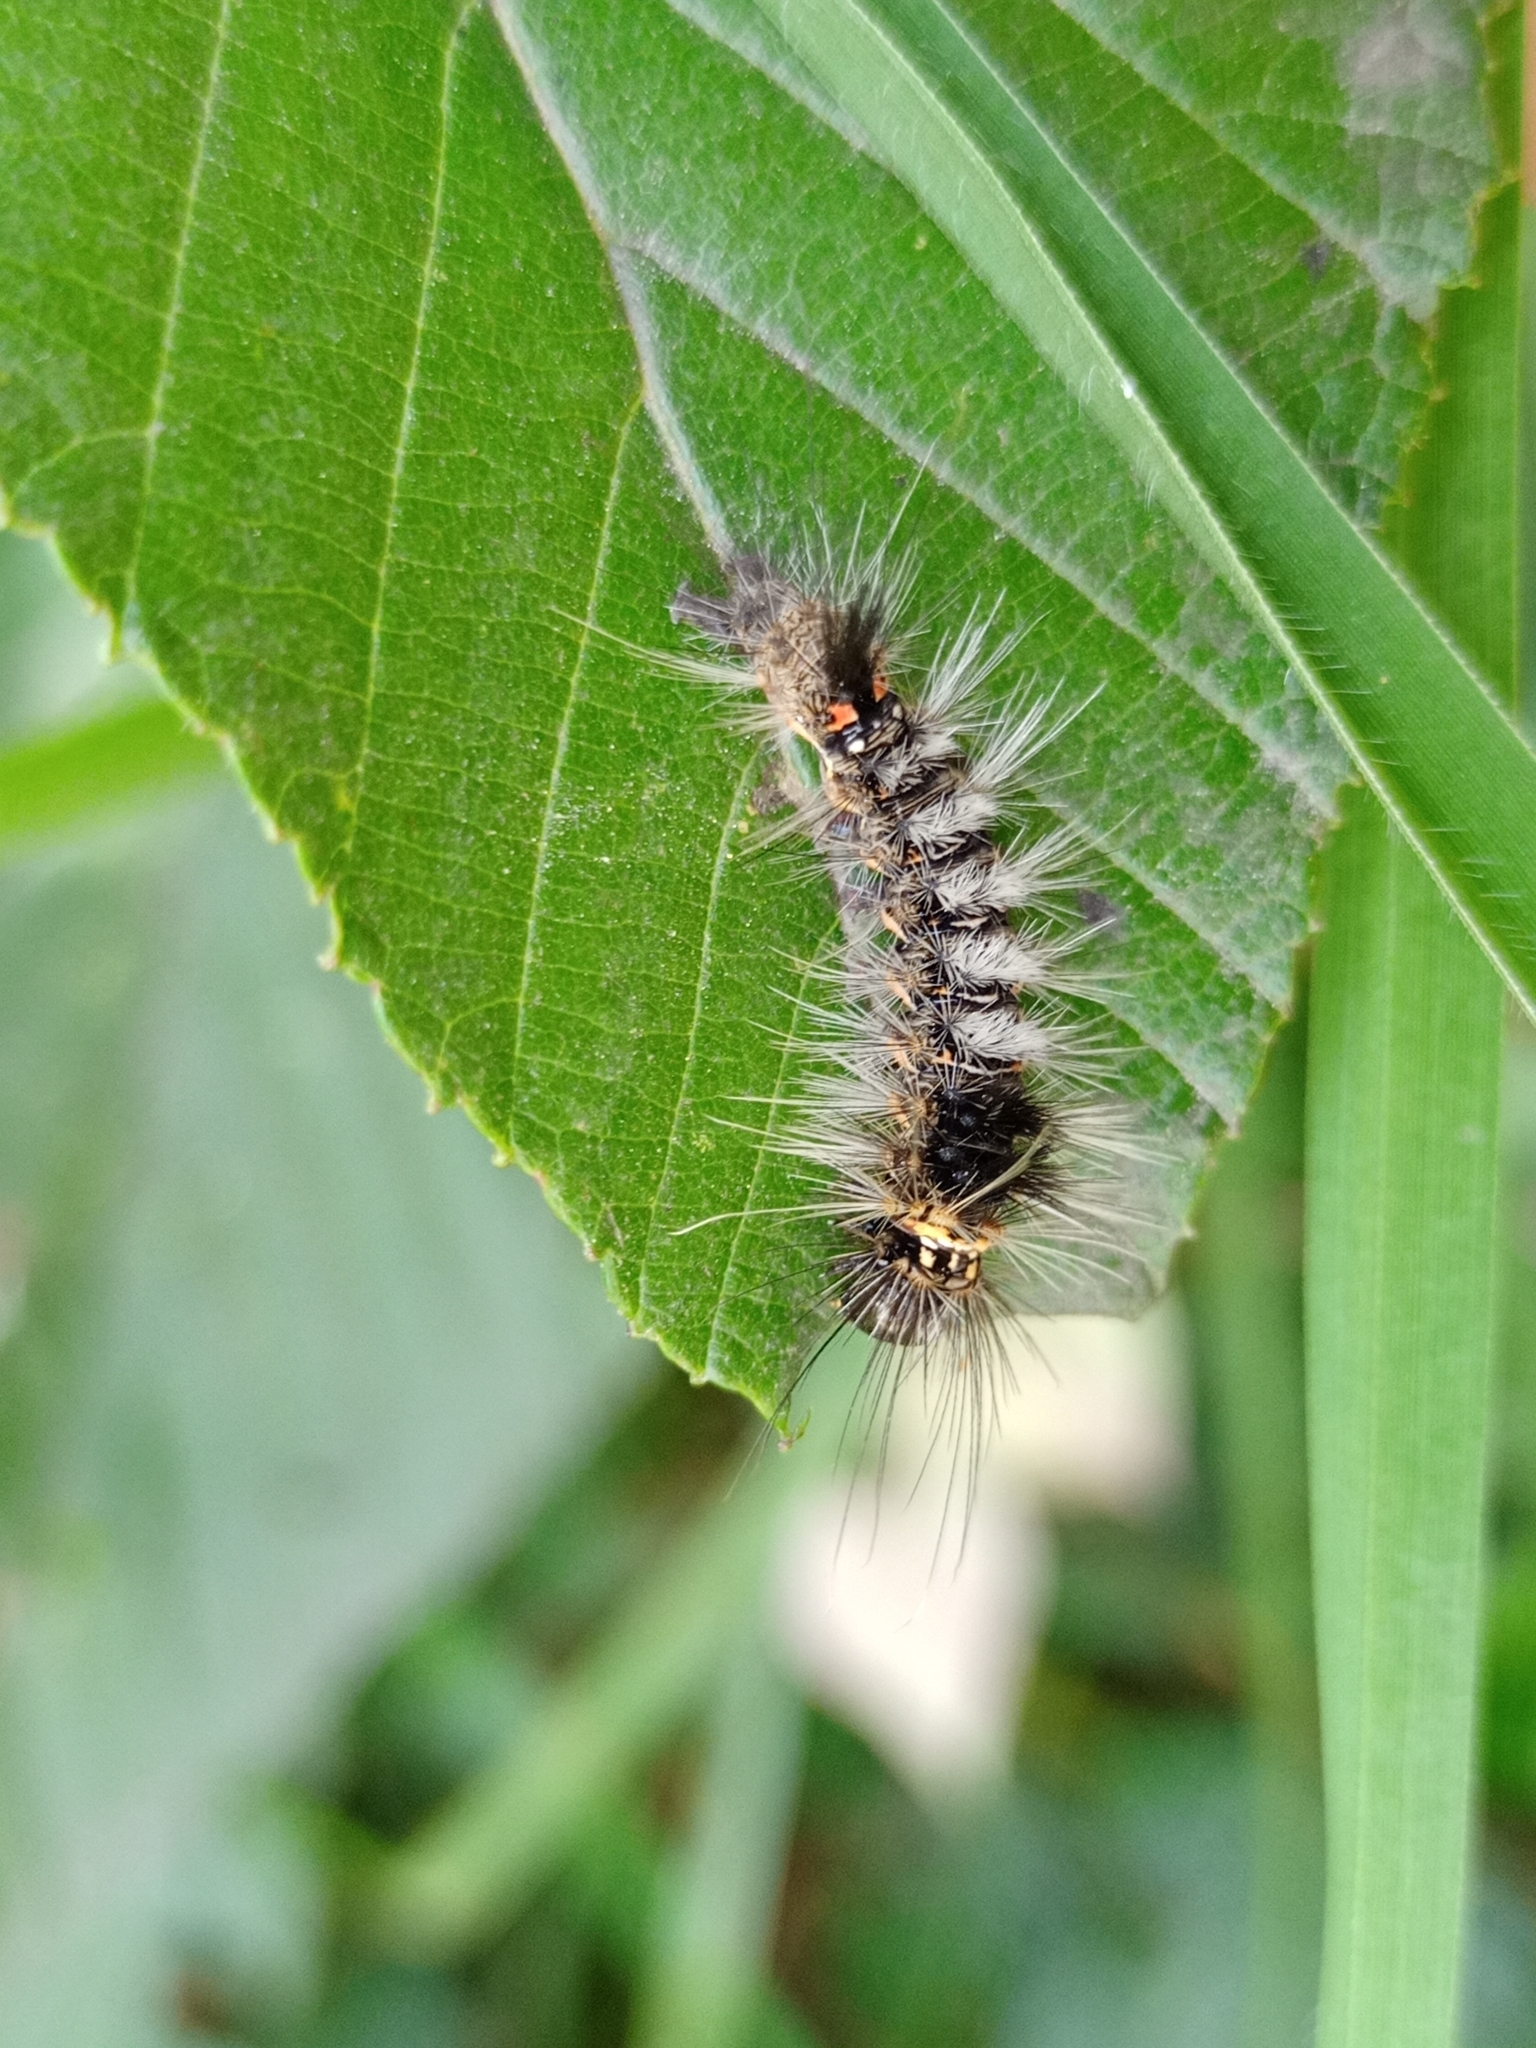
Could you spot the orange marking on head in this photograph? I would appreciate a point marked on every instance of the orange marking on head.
(882, 688)
(840, 717)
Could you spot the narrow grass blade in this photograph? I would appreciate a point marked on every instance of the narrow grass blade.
(1245, 1296)
(470, 1867)
(462, 1675)
(68, 780)
(1430, 739)
(614, 1881)
(1402, 1180)
(716, 1925)
(1401, 1116)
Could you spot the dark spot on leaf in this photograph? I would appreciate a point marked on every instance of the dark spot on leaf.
(1101, 913)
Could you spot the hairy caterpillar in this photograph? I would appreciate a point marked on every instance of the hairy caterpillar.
(956, 1116)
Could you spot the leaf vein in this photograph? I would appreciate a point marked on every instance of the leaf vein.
(728, 835)
(156, 421)
(562, 742)
(777, 1102)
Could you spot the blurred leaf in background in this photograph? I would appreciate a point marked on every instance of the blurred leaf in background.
(280, 1357)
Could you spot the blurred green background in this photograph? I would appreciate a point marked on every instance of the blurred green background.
(387, 1646)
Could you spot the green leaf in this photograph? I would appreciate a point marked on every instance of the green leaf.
(1362, 115)
(1402, 1181)
(353, 360)
(957, 123)
(1406, 1042)
(278, 1358)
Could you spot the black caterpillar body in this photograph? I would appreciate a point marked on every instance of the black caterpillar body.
(954, 1114)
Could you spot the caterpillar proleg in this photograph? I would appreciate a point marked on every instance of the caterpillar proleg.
(958, 1120)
